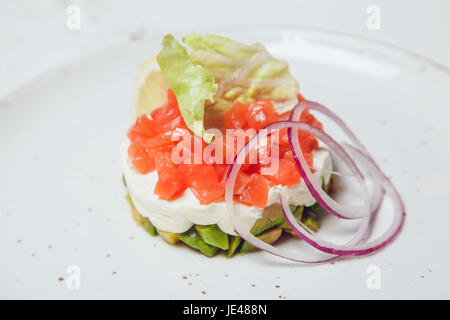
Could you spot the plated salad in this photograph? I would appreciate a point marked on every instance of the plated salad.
(225, 155)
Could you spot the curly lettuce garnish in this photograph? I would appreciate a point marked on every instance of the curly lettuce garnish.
(215, 72)
(244, 73)
(191, 83)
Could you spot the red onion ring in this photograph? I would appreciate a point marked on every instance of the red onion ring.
(306, 104)
(378, 195)
(328, 251)
(356, 249)
(244, 233)
(315, 188)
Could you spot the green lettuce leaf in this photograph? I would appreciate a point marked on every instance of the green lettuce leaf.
(244, 73)
(192, 84)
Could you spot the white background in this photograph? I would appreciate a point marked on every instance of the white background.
(34, 36)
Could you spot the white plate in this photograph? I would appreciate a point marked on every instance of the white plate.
(62, 200)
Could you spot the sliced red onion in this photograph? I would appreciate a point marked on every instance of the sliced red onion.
(381, 186)
(359, 248)
(243, 232)
(315, 187)
(378, 192)
(305, 104)
(378, 195)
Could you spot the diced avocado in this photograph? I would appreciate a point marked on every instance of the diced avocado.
(332, 185)
(297, 211)
(143, 222)
(193, 239)
(149, 227)
(311, 220)
(271, 217)
(212, 235)
(169, 237)
(328, 188)
(291, 233)
(325, 186)
(269, 236)
(134, 213)
(234, 244)
(314, 207)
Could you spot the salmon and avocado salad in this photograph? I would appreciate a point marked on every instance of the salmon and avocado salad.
(224, 154)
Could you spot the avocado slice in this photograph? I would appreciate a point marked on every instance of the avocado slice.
(272, 216)
(297, 211)
(134, 213)
(308, 217)
(169, 237)
(213, 236)
(235, 241)
(193, 239)
(291, 233)
(311, 220)
(269, 236)
(326, 186)
(149, 227)
(143, 222)
(332, 185)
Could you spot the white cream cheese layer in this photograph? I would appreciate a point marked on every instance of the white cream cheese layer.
(180, 214)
